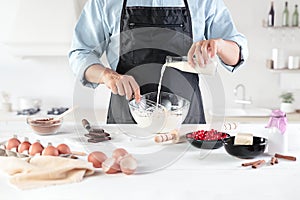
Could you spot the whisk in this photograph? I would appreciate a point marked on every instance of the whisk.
(145, 104)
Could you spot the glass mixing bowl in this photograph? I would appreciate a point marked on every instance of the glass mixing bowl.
(44, 125)
(163, 117)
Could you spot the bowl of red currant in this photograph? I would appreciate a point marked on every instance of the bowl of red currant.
(204, 139)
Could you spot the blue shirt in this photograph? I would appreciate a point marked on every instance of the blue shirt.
(98, 28)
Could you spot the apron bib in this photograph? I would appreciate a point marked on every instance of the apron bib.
(147, 36)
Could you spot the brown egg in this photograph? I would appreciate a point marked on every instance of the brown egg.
(128, 164)
(36, 148)
(13, 143)
(50, 150)
(63, 149)
(110, 166)
(119, 153)
(24, 146)
(97, 158)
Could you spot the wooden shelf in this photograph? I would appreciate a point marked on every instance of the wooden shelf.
(283, 27)
(284, 70)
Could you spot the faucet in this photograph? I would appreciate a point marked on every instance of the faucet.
(243, 100)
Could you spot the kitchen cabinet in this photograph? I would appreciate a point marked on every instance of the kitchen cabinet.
(43, 27)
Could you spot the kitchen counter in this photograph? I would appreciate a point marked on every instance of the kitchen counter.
(100, 116)
(292, 118)
(165, 171)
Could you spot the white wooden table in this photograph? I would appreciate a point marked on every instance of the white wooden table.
(189, 173)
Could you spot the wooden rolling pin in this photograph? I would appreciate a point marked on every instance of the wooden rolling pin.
(173, 136)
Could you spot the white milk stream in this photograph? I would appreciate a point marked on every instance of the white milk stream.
(162, 71)
(161, 120)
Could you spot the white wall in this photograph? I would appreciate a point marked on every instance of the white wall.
(262, 85)
(52, 80)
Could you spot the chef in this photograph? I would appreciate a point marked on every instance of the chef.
(137, 35)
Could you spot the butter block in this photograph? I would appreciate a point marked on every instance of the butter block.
(243, 139)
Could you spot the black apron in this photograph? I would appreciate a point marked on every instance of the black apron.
(147, 36)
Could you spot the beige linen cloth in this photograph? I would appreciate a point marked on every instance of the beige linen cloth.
(41, 171)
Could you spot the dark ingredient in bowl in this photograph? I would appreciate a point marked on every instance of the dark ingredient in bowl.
(46, 121)
(246, 151)
(208, 135)
(45, 125)
(207, 139)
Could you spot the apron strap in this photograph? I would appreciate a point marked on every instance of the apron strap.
(125, 5)
(190, 18)
(123, 13)
(186, 4)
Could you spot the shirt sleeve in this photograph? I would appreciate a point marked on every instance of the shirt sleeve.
(219, 24)
(89, 41)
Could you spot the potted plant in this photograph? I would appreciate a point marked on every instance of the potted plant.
(286, 105)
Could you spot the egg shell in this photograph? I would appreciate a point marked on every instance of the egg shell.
(36, 148)
(63, 149)
(50, 151)
(24, 146)
(97, 158)
(110, 166)
(13, 143)
(119, 153)
(128, 165)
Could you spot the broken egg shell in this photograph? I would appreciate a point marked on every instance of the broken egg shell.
(128, 165)
(110, 166)
(119, 153)
(97, 158)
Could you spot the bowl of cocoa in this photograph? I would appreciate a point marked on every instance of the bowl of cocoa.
(44, 125)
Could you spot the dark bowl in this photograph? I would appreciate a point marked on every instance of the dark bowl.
(205, 144)
(245, 151)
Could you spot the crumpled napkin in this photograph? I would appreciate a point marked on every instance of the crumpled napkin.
(41, 171)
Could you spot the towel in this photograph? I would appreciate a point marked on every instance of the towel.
(41, 171)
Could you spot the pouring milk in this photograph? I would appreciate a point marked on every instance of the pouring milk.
(160, 116)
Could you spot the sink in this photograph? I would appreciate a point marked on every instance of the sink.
(247, 112)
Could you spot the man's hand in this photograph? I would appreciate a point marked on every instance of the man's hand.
(200, 52)
(121, 84)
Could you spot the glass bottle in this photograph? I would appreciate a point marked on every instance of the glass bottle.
(181, 63)
(170, 59)
(271, 15)
(277, 136)
(285, 15)
(295, 18)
